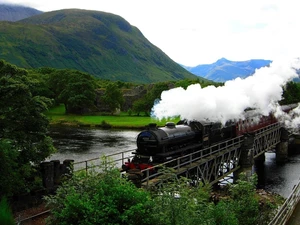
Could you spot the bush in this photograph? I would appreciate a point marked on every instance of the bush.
(224, 214)
(245, 204)
(105, 124)
(176, 203)
(100, 198)
(129, 112)
(6, 216)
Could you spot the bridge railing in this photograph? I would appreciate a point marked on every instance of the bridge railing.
(180, 162)
(286, 210)
(116, 159)
(270, 127)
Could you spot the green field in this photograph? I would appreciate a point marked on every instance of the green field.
(57, 116)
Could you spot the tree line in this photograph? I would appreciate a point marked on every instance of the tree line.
(78, 91)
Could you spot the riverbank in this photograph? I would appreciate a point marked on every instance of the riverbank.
(123, 120)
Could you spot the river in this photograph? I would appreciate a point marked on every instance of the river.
(279, 178)
(82, 144)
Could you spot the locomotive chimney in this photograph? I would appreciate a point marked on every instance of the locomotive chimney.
(170, 125)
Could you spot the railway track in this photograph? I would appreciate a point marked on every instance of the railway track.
(34, 216)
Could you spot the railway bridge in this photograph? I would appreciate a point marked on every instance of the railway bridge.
(212, 164)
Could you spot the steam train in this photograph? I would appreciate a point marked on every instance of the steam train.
(156, 145)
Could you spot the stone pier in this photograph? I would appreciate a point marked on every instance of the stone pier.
(282, 147)
(53, 171)
(247, 158)
(247, 154)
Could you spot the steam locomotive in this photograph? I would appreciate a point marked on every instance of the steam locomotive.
(156, 145)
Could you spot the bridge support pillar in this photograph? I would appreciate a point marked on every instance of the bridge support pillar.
(247, 153)
(282, 147)
(261, 158)
(282, 152)
(247, 157)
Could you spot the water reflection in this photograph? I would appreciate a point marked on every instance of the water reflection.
(87, 143)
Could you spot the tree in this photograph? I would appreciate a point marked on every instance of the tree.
(186, 82)
(76, 90)
(23, 130)
(39, 82)
(291, 93)
(100, 198)
(146, 102)
(139, 106)
(113, 97)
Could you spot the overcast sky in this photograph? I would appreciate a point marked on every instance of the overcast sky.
(193, 32)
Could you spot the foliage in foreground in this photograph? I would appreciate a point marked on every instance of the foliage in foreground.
(104, 198)
(108, 198)
(23, 131)
(176, 202)
(6, 216)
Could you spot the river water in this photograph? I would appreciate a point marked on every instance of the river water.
(279, 178)
(82, 144)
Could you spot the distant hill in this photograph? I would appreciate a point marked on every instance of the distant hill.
(16, 12)
(224, 70)
(102, 44)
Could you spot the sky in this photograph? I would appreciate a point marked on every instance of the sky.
(194, 32)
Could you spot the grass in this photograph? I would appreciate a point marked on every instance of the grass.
(57, 116)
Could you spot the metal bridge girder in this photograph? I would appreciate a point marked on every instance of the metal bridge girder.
(266, 139)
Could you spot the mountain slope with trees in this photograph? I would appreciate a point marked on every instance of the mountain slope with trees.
(102, 44)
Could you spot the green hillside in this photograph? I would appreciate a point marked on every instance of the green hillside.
(102, 44)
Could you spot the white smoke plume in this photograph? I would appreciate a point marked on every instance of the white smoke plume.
(261, 91)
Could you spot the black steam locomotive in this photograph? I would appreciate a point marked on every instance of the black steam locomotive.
(160, 144)
(156, 145)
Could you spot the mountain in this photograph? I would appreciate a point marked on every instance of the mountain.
(16, 12)
(99, 43)
(224, 70)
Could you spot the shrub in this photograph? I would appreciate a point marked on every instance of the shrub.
(6, 216)
(105, 124)
(100, 198)
(129, 112)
